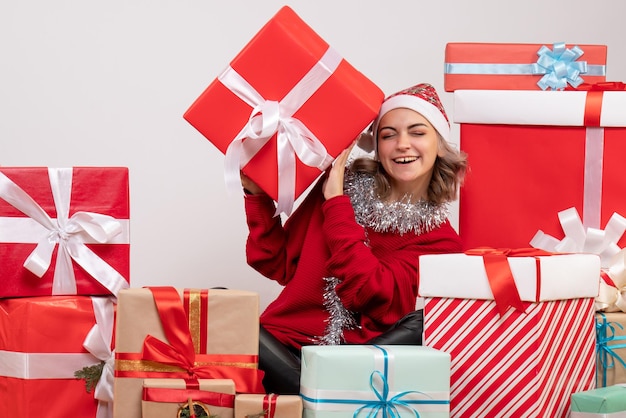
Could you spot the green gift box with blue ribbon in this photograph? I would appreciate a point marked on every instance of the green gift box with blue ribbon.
(375, 380)
(610, 348)
(608, 402)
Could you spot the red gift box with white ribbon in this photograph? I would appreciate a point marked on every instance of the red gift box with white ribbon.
(284, 108)
(533, 154)
(518, 324)
(40, 354)
(519, 66)
(64, 231)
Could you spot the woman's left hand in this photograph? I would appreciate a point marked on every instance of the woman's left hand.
(333, 186)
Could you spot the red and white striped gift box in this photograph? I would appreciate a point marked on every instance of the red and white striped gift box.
(519, 364)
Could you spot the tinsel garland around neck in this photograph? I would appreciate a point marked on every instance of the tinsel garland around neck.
(401, 217)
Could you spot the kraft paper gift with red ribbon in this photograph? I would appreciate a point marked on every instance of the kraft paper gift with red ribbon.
(64, 231)
(284, 108)
(164, 332)
(533, 154)
(611, 348)
(519, 66)
(270, 405)
(44, 341)
(524, 351)
(169, 397)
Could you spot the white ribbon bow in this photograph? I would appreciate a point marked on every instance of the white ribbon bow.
(98, 343)
(271, 117)
(69, 233)
(579, 239)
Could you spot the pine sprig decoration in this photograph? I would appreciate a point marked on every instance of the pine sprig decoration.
(91, 375)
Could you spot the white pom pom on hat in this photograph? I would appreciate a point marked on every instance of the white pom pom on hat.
(421, 98)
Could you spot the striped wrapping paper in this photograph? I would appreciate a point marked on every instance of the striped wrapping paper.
(520, 365)
(512, 363)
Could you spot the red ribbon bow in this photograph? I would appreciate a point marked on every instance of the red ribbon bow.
(499, 274)
(180, 351)
(593, 102)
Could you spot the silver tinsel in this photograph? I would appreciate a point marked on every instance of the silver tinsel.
(400, 217)
(339, 317)
(370, 212)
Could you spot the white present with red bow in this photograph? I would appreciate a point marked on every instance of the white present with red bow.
(64, 231)
(523, 351)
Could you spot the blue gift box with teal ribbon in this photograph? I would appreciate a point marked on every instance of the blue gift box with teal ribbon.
(375, 381)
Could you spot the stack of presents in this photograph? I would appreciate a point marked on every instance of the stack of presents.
(529, 321)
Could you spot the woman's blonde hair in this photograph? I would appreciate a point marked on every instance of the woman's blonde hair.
(448, 173)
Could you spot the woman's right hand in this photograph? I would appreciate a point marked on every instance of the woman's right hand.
(249, 186)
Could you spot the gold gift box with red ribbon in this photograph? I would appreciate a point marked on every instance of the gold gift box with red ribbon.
(534, 154)
(518, 324)
(268, 406)
(274, 110)
(176, 397)
(164, 332)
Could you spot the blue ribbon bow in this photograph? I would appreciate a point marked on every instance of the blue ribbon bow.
(605, 333)
(559, 66)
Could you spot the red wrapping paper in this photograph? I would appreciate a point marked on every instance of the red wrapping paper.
(273, 62)
(522, 175)
(102, 190)
(40, 325)
(503, 53)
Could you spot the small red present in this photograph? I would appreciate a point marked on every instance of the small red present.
(519, 328)
(64, 231)
(284, 108)
(44, 342)
(534, 154)
(502, 66)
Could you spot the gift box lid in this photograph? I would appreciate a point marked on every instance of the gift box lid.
(606, 400)
(560, 108)
(538, 279)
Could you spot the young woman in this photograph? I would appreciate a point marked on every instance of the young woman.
(347, 257)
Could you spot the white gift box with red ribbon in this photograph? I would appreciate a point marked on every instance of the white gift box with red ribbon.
(512, 362)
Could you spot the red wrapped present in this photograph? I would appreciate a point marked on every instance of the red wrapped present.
(284, 108)
(40, 356)
(177, 397)
(77, 217)
(163, 332)
(520, 328)
(492, 66)
(534, 154)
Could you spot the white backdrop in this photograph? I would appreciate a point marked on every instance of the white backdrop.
(106, 83)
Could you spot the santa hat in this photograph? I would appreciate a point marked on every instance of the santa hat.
(421, 98)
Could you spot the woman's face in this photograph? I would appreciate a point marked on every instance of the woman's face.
(407, 149)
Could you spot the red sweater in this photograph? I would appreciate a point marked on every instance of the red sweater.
(322, 239)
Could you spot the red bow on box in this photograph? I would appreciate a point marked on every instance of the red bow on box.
(499, 274)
